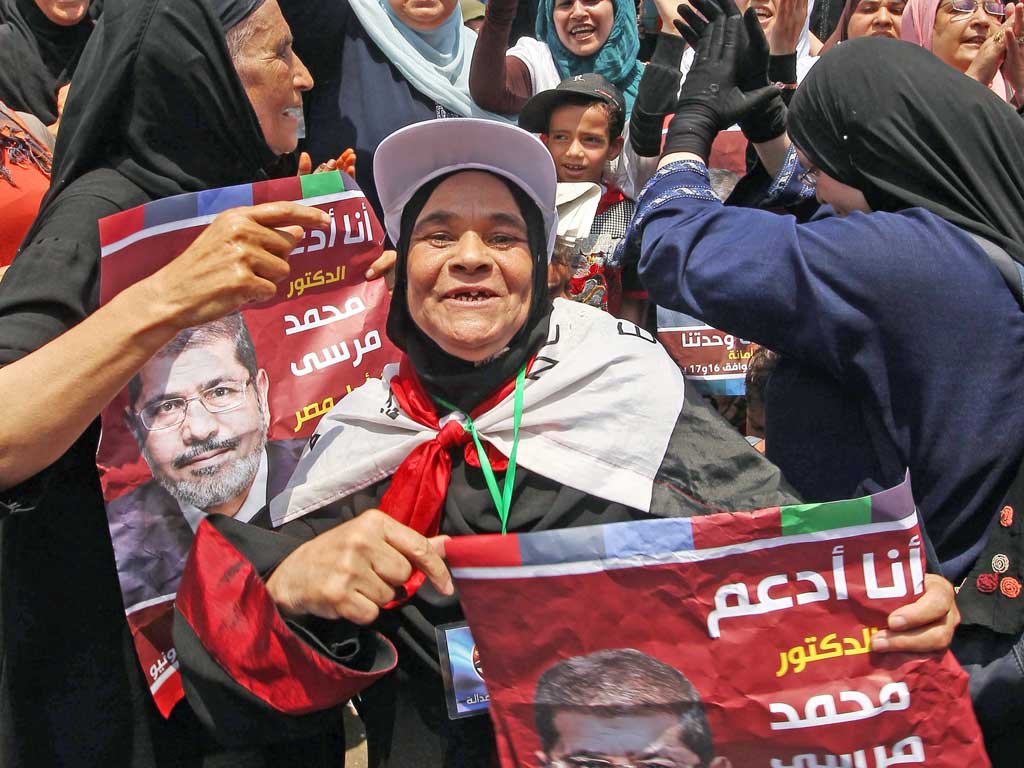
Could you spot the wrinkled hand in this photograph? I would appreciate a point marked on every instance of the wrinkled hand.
(1013, 62)
(784, 32)
(352, 571)
(924, 626)
(990, 57)
(239, 259)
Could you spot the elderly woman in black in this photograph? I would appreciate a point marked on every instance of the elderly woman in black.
(505, 414)
(160, 107)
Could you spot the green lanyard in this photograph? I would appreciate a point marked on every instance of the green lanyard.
(503, 498)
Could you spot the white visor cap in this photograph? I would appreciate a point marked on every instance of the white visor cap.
(412, 156)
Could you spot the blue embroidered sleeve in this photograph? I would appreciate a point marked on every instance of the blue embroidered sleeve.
(686, 179)
(788, 188)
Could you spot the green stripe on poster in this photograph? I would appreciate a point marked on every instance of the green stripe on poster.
(810, 518)
(318, 184)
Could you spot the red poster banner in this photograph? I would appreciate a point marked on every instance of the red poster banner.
(216, 421)
(736, 640)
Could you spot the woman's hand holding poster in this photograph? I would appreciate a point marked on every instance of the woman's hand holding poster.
(215, 422)
(738, 640)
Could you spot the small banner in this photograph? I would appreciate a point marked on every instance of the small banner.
(216, 420)
(733, 640)
(714, 361)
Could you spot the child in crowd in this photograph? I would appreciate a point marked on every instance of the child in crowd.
(581, 123)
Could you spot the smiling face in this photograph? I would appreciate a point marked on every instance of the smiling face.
(64, 13)
(423, 14)
(209, 459)
(272, 75)
(765, 10)
(957, 37)
(577, 139)
(843, 198)
(470, 270)
(583, 26)
(876, 18)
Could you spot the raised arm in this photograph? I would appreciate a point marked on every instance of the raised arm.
(498, 82)
(53, 393)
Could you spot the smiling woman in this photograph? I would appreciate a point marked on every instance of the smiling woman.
(504, 414)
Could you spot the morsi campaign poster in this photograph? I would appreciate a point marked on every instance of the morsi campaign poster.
(216, 420)
(734, 640)
(714, 361)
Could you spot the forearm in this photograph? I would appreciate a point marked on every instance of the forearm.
(495, 82)
(52, 395)
(773, 153)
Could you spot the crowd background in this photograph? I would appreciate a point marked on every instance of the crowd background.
(853, 206)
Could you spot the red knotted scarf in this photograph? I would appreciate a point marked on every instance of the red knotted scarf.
(419, 485)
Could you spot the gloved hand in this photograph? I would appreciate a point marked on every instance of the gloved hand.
(711, 98)
(768, 120)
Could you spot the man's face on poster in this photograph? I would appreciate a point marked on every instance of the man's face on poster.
(201, 420)
(642, 740)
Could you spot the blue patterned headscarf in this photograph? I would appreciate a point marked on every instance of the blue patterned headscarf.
(617, 58)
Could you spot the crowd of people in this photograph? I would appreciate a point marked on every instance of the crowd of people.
(549, 190)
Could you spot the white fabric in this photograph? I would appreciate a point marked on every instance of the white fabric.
(590, 420)
(255, 500)
(538, 60)
(412, 156)
(577, 205)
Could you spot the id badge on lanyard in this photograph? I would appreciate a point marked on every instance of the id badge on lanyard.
(465, 691)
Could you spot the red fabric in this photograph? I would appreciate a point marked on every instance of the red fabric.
(225, 601)
(611, 196)
(419, 486)
(20, 205)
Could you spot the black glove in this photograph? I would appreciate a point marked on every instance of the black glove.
(768, 120)
(711, 98)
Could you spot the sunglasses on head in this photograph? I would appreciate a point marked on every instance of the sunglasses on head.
(992, 7)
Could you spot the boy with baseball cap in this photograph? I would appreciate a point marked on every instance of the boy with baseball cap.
(581, 123)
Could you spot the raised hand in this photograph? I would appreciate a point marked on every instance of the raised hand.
(239, 259)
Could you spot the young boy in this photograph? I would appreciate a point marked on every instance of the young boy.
(581, 123)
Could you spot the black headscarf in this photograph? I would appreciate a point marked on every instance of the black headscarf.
(458, 381)
(37, 57)
(908, 130)
(157, 99)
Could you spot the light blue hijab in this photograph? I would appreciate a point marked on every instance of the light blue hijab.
(435, 62)
(617, 58)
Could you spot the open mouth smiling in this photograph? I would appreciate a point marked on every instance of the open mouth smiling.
(470, 294)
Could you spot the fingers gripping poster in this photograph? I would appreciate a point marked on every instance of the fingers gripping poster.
(215, 422)
(727, 641)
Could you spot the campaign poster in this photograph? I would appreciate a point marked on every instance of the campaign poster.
(216, 421)
(733, 640)
(714, 361)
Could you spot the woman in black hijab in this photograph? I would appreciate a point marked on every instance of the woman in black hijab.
(40, 44)
(157, 109)
(576, 419)
(898, 320)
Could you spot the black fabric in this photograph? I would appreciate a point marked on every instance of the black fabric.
(157, 99)
(656, 96)
(461, 382)
(37, 57)
(231, 12)
(71, 690)
(892, 120)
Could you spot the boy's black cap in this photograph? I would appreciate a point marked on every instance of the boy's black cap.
(535, 114)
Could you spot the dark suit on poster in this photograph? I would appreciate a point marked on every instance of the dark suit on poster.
(152, 537)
